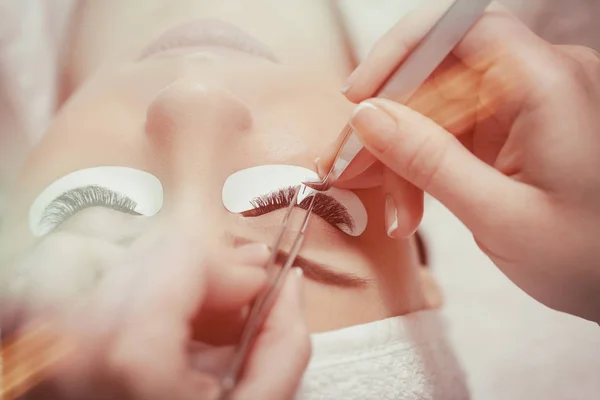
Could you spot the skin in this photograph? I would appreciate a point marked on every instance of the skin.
(192, 118)
(506, 135)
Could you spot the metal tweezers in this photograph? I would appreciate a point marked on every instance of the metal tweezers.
(264, 302)
(447, 32)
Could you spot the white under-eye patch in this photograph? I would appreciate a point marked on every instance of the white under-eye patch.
(132, 190)
(242, 189)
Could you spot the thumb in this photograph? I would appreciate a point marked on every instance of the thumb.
(425, 154)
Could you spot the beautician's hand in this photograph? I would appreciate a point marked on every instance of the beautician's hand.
(506, 134)
(130, 338)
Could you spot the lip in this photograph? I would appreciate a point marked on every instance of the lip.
(208, 33)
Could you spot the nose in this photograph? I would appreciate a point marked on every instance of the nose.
(194, 123)
(190, 129)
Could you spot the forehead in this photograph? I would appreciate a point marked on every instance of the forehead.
(296, 112)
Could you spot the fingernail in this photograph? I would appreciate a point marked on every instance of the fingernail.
(298, 284)
(375, 126)
(245, 311)
(391, 216)
(317, 164)
(349, 81)
(362, 106)
(319, 168)
(254, 253)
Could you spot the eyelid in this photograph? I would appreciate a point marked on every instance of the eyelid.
(326, 207)
(243, 187)
(78, 199)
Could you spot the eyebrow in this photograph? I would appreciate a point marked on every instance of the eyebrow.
(317, 271)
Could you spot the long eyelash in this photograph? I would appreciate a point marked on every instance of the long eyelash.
(74, 201)
(325, 206)
(272, 201)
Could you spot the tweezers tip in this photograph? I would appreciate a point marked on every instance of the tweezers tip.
(303, 193)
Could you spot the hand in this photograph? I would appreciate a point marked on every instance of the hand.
(130, 338)
(506, 134)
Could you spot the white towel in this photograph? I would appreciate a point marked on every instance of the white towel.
(401, 358)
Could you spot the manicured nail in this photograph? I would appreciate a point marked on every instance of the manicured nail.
(391, 216)
(298, 277)
(298, 271)
(349, 81)
(320, 171)
(374, 125)
(245, 311)
(254, 253)
(362, 106)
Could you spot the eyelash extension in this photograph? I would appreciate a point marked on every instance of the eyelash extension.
(70, 203)
(325, 206)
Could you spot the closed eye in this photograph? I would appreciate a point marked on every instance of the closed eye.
(70, 203)
(325, 207)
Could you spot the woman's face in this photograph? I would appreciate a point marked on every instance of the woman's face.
(194, 116)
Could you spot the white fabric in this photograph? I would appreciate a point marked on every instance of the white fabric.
(401, 358)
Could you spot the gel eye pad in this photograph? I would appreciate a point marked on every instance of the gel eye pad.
(122, 189)
(258, 190)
